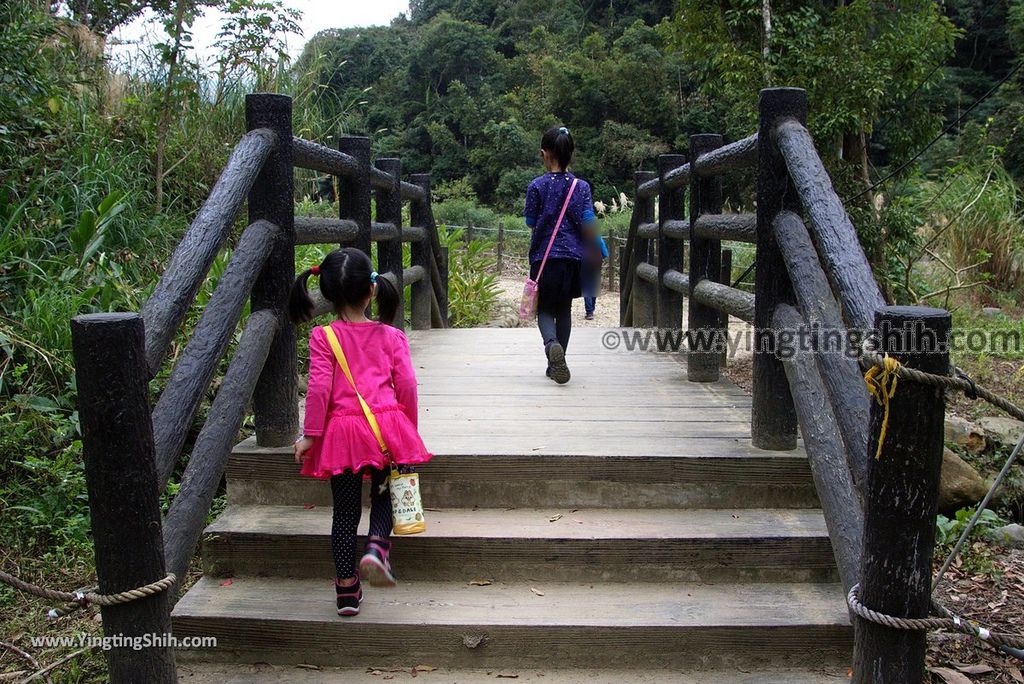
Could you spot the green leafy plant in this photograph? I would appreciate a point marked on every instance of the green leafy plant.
(948, 530)
(472, 279)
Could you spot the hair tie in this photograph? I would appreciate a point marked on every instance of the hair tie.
(563, 129)
(373, 277)
(315, 270)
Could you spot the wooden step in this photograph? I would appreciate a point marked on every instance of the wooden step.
(692, 473)
(776, 545)
(211, 673)
(521, 625)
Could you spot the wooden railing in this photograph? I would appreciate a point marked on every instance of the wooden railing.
(810, 276)
(117, 355)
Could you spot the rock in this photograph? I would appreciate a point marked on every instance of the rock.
(959, 484)
(1011, 535)
(964, 433)
(1002, 429)
(991, 310)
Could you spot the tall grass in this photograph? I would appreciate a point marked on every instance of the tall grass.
(978, 221)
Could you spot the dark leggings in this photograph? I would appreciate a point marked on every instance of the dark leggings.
(554, 318)
(347, 489)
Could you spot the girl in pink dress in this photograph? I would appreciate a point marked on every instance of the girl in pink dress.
(337, 442)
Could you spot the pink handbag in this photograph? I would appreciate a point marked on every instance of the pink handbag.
(528, 304)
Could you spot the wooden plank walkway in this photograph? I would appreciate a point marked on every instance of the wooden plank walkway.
(658, 537)
(483, 390)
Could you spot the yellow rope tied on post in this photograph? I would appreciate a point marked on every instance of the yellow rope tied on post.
(881, 382)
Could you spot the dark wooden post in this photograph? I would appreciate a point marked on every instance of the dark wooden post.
(469, 233)
(671, 207)
(120, 475)
(773, 422)
(704, 322)
(726, 279)
(354, 193)
(442, 269)
(901, 498)
(275, 401)
(389, 252)
(644, 294)
(420, 215)
(501, 245)
(611, 261)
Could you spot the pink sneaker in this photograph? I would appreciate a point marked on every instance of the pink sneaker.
(375, 566)
(349, 598)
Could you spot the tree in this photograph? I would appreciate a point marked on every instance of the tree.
(855, 60)
(450, 50)
(253, 40)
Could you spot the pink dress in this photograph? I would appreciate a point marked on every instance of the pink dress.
(381, 364)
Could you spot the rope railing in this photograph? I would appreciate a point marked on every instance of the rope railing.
(86, 597)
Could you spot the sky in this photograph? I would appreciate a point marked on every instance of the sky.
(317, 15)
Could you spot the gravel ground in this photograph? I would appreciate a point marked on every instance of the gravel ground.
(606, 313)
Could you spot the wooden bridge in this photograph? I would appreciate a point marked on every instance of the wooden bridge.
(647, 522)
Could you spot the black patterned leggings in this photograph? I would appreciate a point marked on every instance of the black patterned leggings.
(347, 489)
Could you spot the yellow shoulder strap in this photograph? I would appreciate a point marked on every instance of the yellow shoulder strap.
(339, 354)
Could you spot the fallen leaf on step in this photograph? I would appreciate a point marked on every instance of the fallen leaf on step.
(555, 518)
(950, 676)
(980, 668)
(227, 583)
(537, 448)
(308, 506)
(507, 675)
(538, 592)
(424, 668)
(480, 583)
(307, 666)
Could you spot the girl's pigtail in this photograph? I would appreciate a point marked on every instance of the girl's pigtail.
(387, 300)
(300, 306)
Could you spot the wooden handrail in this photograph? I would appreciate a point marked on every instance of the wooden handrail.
(732, 157)
(823, 443)
(187, 515)
(734, 227)
(841, 373)
(197, 364)
(730, 300)
(834, 235)
(317, 157)
(166, 308)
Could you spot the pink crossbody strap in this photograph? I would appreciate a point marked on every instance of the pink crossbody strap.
(555, 231)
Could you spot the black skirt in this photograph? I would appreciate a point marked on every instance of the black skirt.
(560, 280)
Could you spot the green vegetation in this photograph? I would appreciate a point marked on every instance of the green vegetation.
(103, 165)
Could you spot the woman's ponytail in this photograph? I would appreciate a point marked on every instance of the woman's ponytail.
(559, 144)
(387, 300)
(300, 306)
